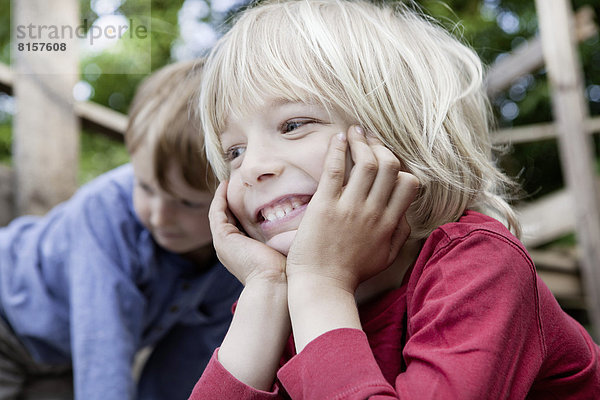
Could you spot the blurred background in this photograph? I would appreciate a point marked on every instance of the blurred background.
(496, 29)
(184, 29)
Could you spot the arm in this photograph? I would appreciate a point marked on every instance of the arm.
(249, 356)
(482, 294)
(106, 316)
(107, 309)
(180, 357)
(349, 233)
(473, 333)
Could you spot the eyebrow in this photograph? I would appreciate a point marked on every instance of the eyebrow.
(283, 102)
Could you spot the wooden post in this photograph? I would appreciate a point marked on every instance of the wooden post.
(528, 56)
(45, 127)
(570, 111)
(105, 120)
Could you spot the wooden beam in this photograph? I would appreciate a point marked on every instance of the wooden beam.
(562, 286)
(536, 132)
(45, 128)
(102, 119)
(570, 112)
(559, 270)
(528, 57)
(558, 260)
(93, 116)
(547, 219)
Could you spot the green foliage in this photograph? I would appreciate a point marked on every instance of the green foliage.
(5, 31)
(99, 154)
(5, 142)
(117, 90)
(536, 165)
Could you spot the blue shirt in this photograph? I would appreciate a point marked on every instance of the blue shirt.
(86, 284)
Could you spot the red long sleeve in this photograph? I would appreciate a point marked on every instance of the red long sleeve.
(217, 383)
(472, 320)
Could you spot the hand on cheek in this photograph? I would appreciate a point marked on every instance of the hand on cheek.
(351, 232)
(260, 327)
(246, 258)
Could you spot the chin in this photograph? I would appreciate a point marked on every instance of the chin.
(175, 247)
(282, 242)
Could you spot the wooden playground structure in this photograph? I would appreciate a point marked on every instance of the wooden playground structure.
(46, 143)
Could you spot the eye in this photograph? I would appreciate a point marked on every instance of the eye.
(292, 125)
(145, 187)
(191, 204)
(234, 152)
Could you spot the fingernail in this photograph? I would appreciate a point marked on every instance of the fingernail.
(359, 130)
(341, 136)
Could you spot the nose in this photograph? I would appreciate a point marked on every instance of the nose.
(262, 161)
(161, 212)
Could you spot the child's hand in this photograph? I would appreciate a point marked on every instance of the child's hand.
(243, 256)
(350, 233)
(260, 328)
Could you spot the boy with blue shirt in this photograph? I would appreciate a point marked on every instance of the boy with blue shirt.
(126, 263)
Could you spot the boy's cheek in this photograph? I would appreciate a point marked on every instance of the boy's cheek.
(139, 206)
(235, 205)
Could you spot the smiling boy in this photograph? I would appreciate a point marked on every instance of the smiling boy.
(297, 134)
(391, 272)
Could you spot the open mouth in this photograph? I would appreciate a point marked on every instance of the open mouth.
(282, 208)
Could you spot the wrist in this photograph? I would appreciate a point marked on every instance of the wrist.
(267, 277)
(321, 282)
(260, 328)
(318, 305)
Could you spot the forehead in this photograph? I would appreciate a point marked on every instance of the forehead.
(142, 160)
(144, 171)
(180, 189)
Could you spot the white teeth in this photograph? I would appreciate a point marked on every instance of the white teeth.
(281, 209)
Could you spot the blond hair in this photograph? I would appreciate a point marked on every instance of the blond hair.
(162, 116)
(391, 70)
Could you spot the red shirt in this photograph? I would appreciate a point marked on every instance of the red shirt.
(471, 321)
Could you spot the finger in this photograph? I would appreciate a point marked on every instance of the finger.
(334, 169)
(216, 212)
(404, 193)
(220, 218)
(227, 238)
(365, 167)
(387, 174)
